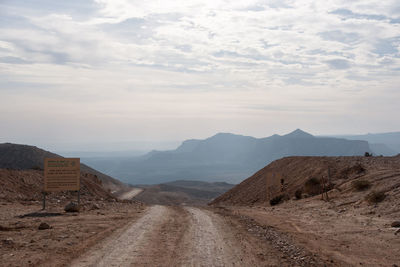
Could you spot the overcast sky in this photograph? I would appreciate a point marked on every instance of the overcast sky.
(117, 71)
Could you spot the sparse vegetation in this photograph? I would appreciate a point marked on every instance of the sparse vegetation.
(356, 169)
(299, 193)
(367, 154)
(276, 200)
(361, 185)
(313, 186)
(375, 197)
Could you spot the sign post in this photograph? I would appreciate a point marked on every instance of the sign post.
(61, 174)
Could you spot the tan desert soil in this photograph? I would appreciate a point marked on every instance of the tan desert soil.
(22, 244)
(212, 241)
(188, 236)
(344, 236)
(347, 230)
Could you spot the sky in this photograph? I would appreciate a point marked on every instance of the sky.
(119, 74)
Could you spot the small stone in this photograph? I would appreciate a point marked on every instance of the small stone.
(8, 241)
(44, 226)
(95, 206)
(397, 232)
(72, 207)
(395, 224)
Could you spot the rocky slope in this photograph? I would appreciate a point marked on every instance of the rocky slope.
(25, 157)
(306, 175)
(27, 185)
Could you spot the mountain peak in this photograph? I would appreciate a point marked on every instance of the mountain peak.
(298, 133)
(222, 136)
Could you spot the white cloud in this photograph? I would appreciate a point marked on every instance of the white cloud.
(215, 60)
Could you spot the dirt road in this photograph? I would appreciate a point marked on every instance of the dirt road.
(131, 193)
(176, 236)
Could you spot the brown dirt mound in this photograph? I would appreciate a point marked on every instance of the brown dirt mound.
(26, 185)
(288, 175)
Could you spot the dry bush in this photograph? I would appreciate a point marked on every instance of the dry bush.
(375, 197)
(313, 186)
(276, 200)
(356, 169)
(361, 185)
(299, 193)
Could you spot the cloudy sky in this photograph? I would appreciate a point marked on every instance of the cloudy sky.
(117, 71)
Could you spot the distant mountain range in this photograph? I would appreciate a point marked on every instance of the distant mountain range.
(225, 157)
(387, 144)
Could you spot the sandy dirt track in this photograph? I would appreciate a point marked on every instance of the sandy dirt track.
(131, 193)
(123, 248)
(176, 236)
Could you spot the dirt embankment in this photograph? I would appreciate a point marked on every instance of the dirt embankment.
(27, 185)
(352, 227)
(287, 175)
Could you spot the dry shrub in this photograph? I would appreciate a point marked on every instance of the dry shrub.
(276, 200)
(361, 185)
(313, 186)
(375, 197)
(299, 193)
(356, 169)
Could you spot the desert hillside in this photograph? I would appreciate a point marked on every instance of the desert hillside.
(306, 176)
(25, 157)
(27, 185)
(356, 225)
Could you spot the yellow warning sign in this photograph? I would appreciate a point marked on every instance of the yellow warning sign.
(61, 174)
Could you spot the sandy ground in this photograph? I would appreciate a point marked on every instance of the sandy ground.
(22, 244)
(127, 234)
(342, 235)
(183, 236)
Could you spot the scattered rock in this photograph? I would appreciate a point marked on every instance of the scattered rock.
(95, 206)
(72, 207)
(9, 242)
(44, 226)
(395, 224)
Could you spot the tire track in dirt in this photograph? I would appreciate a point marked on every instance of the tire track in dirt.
(212, 242)
(177, 236)
(123, 249)
(163, 243)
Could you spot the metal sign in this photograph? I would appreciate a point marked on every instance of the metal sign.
(61, 174)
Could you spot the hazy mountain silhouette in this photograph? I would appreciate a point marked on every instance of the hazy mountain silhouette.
(387, 144)
(228, 157)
